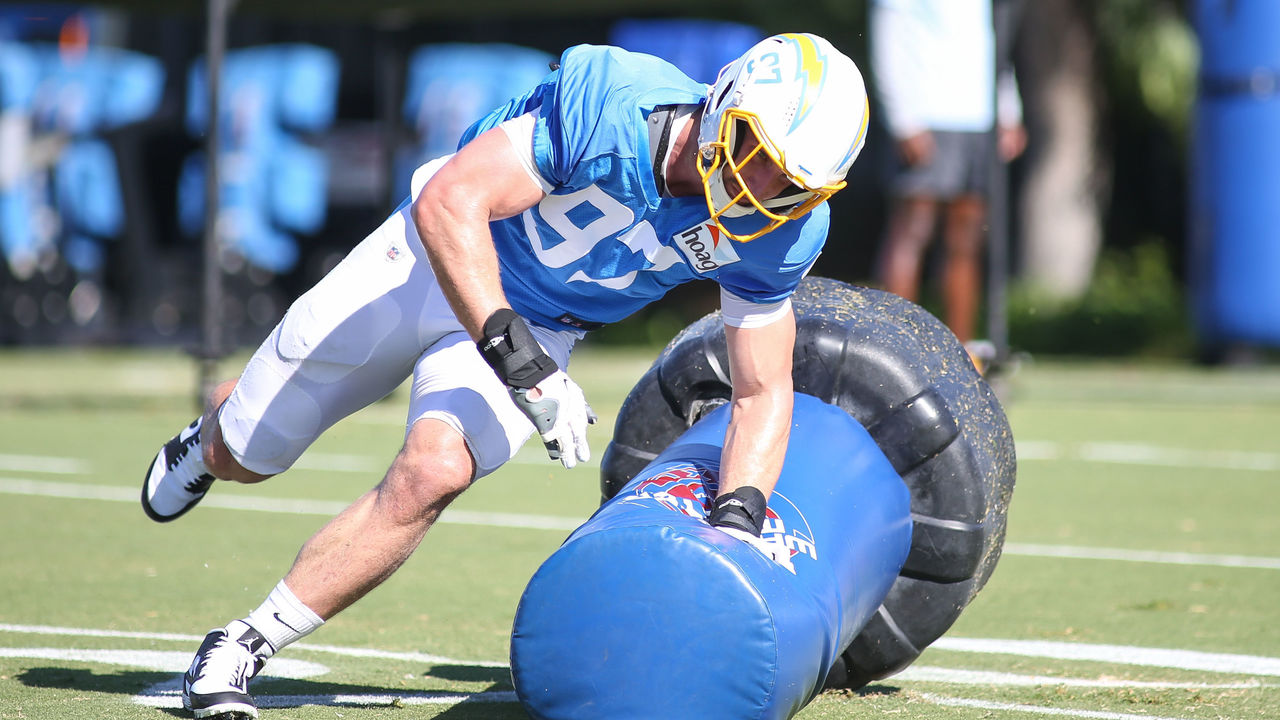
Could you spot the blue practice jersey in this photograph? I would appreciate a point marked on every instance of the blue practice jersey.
(605, 242)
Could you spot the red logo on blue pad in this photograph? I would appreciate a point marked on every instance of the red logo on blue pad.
(689, 489)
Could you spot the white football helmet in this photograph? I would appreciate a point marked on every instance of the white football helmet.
(806, 104)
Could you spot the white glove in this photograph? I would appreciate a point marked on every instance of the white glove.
(560, 413)
(772, 549)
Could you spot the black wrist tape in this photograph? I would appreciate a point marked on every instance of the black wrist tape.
(743, 509)
(511, 350)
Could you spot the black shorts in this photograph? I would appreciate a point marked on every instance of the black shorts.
(961, 165)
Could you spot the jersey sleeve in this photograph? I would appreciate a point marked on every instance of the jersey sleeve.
(519, 130)
(594, 107)
(741, 313)
(580, 102)
(564, 115)
(773, 265)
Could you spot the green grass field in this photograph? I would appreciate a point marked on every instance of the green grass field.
(1141, 574)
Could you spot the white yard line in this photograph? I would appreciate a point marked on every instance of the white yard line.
(43, 464)
(332, 649)
(1148, 455)
(1146, 556)
(1118, 654)
(329, 508)
(925, 673)
(166, 693)
(287, 506)
(175, 661)
(94, 632)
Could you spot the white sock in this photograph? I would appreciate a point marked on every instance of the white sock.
(282, 618)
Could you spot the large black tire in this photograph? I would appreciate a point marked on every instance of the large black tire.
(900, 372)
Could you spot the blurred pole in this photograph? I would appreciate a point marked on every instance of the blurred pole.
(1004, 16)
(213, 344)
(389, 61)
(998, 256)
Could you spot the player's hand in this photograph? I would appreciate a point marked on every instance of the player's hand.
(1011, 141)
(561, 414)
(917, 149)
(538, 386)
(773, 550)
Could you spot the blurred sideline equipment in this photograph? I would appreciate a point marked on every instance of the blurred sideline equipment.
(700, 48)
(1235, 220)
(674, 620)
(452, 85)
(62, 202)
(272, 183)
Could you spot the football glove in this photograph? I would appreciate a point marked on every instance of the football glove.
(772, 549)
(743, 509)
(538, 386)
(561, 414)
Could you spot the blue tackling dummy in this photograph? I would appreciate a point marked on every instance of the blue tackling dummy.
(648, 612)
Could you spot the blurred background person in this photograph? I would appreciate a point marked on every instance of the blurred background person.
(935, 71)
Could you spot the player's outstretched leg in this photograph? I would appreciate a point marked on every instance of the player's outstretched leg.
(177, 479)
(217, 683)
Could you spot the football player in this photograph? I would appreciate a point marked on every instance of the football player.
(572, 206)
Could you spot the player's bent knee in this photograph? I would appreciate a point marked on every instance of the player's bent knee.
(219, 460)
(432, 468)
(221, 392)
(224, 466)
(414, 492)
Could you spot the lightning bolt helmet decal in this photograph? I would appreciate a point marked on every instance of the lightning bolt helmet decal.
(810, 72)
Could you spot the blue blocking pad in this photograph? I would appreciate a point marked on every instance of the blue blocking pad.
(646, 611)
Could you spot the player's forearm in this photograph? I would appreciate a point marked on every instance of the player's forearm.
(455, 233)
(756, 441)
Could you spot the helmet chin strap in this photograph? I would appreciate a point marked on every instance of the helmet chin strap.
(720, 197)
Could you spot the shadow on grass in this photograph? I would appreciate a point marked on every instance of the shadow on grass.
(129, 682)
(125, 682)
(495, 702)
(161, 691)
(877, 690)
(866, 691)
(499, 678)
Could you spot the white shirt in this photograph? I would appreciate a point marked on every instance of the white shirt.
(934, 63)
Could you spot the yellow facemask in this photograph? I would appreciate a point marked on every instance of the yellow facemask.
(778, 210)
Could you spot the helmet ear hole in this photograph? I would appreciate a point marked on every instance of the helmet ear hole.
(724, 93)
